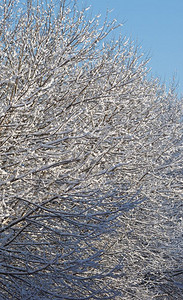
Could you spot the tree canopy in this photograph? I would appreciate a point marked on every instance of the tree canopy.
(91, 167)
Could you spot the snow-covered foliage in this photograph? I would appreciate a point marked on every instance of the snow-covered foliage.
(91, 170)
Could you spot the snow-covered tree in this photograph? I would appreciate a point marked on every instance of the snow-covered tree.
(91, 159)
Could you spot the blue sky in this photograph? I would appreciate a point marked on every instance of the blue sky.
(157, 25)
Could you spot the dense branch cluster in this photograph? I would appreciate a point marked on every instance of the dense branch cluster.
(91, 170)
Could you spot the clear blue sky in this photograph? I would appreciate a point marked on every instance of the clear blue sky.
(157, 25)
